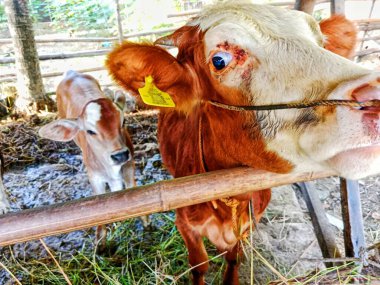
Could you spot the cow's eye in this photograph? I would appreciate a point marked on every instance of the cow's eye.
(91, 133)
(221, 59)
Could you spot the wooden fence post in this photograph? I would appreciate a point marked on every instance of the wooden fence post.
(119, 21)
(306, 6)
(337, 7)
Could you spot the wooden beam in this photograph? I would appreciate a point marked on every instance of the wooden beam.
(129, 35)
(322, 227)
(61, 55)
(12, 77)
(162, 196)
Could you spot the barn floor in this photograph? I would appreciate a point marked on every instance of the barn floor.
(41, 172)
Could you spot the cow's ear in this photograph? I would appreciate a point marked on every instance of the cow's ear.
(133, 65)
(340, 35)
(60, 130)
(120, 99)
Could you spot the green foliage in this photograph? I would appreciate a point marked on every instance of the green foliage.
(39, 10)
(80, 15)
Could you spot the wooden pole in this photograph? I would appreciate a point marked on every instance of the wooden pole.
(130, 35)
(306, 6)
(61, 55)
(322, 227)
(337, 7)
(162, 196)
(118, 18)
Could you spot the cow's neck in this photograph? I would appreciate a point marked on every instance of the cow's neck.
(232, 139)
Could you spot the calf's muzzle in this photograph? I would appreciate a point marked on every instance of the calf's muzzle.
(120, 157)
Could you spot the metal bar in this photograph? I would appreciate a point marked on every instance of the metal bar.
(140, 201)
(354, 239)
(322, 227)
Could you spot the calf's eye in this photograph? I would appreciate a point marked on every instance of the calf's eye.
(91, 133)
(221, 59)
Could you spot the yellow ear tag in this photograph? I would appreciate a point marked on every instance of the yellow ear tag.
(151, 95)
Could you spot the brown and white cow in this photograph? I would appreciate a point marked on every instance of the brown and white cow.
(240, 54)
(95, 123)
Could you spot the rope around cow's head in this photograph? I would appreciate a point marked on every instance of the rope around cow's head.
(347, 103)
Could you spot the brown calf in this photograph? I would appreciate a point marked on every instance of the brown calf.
(242, 54)
(95, 123)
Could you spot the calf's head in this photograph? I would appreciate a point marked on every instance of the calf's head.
(99, 128)
(246, 54)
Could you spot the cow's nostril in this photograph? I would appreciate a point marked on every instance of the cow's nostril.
(367, 93)
(121, 156)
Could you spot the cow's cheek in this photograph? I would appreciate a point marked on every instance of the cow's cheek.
(357, 163)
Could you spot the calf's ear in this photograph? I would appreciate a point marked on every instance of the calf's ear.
(120, 99)
(340, 35)
(132, 64)
(60, 130)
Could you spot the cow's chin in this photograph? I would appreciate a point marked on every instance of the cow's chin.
(357, 163)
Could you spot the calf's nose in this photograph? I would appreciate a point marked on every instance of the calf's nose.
(121, 156)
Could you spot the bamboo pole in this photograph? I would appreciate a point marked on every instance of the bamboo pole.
(162, 196)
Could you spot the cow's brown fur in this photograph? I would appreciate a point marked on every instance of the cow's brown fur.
(340, 35)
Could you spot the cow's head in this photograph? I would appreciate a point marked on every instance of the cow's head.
(101, 125)
(246, 54)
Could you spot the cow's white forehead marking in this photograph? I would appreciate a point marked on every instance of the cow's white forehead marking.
(93, 113)
(262, 21)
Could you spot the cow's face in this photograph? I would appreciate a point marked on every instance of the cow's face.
(273, 56)
(101, 125)
(241, 54)
(102, 122)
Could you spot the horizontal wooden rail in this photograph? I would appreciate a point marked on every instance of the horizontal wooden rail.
(62, 55)
(12, 76)
(367, 52)
(279, 3)
(162, 196)
(110, 39)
